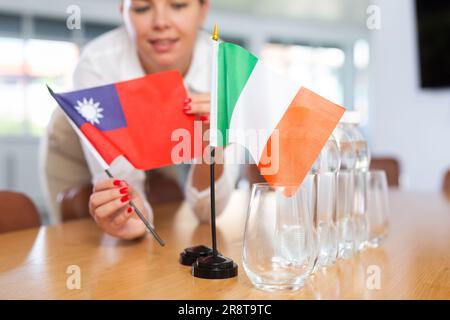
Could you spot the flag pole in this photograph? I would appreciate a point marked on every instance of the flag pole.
(214, 265)
(213, 201)
(215, 38)
(105, 167)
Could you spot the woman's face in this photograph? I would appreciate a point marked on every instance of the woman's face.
(165, 31)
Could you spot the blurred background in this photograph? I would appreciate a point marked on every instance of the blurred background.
(381, 58)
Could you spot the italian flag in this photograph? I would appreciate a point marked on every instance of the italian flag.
(283, 125)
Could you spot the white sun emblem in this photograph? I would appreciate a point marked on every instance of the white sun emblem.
(90, 110)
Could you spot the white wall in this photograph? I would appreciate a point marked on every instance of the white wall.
(19, 168)
(407, 122)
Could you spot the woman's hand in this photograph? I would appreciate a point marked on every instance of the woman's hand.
(110, 207)
(199, 104)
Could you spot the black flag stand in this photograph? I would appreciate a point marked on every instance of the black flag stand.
(206, 262)
(214, 265)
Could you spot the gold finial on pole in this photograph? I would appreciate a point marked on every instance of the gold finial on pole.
(215, 35)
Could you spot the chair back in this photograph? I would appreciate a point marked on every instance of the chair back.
(17, 211)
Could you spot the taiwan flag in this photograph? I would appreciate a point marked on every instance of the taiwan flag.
(136, 119)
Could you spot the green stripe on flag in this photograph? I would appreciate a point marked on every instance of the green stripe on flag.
(235, 65)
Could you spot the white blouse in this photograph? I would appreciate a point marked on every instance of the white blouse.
(112, 57)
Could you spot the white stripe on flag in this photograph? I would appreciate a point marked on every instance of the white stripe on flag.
(260, 107)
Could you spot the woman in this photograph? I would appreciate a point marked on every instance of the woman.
(158, 35)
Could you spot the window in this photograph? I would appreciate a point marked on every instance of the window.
(11, 84)
(93, 30)
(46, 53)
(317, 68)
(49, 28)
(10, 24)
(361, 59)
(26, 66)
(236, 40)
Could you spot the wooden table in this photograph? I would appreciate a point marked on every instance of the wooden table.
(414, 262)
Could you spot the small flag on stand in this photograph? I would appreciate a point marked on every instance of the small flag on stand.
(134, 119)
(292, 123)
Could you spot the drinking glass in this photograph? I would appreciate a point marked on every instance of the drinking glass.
(279, 249)
(377, 207)
(344, 213)
(325, 219)
(321, 190)
(360, 219)
(310, 184)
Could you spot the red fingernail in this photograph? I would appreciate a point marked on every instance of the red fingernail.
(117, 183)
(204, 118)
(124, 190)
(130, 209)
(187, 101)
(124, 198)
